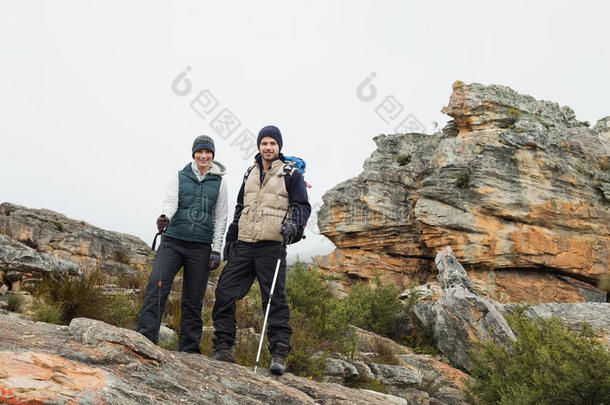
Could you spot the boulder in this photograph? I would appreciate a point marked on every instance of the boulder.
(86, 245)
(461, 317)
(20, 263)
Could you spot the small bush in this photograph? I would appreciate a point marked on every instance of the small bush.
(172, 312)
(384, 352)
(206, 344)
(49, 312)
(310, 295)
(208, 306)
(378, 309)
(547, 364)
(122, 311)
(248, 312)
(15, 302)
(367, 383)
(138, 282)
(246, 349)
(173, 345)
(77, 296)
(305, 359)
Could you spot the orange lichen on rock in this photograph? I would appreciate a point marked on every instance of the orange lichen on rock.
(38, 377)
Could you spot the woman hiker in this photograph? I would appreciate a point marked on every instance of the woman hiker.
(193, 223)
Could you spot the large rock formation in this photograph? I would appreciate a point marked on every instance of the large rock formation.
(517, 187)
(64, 238)
(91, 362)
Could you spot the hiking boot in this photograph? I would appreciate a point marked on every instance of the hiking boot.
(278, 358)
(223, 352)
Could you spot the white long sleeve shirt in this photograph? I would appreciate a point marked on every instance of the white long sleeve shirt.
(170, 204)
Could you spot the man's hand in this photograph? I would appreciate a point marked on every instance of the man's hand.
(162, 223)
(289, 231)
(227, 250)
(214, 261)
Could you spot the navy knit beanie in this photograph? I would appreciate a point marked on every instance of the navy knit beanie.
(271, 132)
(203, 142)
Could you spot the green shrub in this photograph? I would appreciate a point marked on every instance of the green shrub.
(310, 295)
(547, 364)
(49, 312)
(248, 313)
(78, 296)
(306, 358)
(122, 311)
(246, 348)
(172, 312)
(377, 309)
(138, 282)
(367, 383)
(15, 302)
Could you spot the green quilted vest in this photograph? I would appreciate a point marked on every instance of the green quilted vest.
(196, 201)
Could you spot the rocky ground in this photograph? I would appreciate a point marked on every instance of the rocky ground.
(90, 362)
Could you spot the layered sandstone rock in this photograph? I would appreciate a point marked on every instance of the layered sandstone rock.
(64, 238)
(517, 187)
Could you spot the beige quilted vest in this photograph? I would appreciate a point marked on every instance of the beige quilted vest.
(265, 205)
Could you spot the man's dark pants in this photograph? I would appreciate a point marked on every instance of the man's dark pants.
(247, 261)
(173, 254)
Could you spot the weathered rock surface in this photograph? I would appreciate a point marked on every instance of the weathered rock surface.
(19, 264)
(517, 187)
(91, 362)
(418, 378)
(64, 238)
(461, 316)
(573, 315)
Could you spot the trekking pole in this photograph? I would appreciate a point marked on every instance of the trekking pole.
(160, 275)
(277, 269)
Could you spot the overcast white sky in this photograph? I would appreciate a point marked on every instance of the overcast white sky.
(91, 127)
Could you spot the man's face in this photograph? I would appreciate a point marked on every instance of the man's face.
(269, 148)
(203, 158)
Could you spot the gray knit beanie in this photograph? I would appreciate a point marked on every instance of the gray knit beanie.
(203, 142)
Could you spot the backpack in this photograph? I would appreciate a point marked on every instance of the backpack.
(290, 163)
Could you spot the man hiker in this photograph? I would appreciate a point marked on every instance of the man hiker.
(193, 222)
(272, 207)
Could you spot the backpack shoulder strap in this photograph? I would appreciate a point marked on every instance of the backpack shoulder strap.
(248, 173)
(287, 173)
